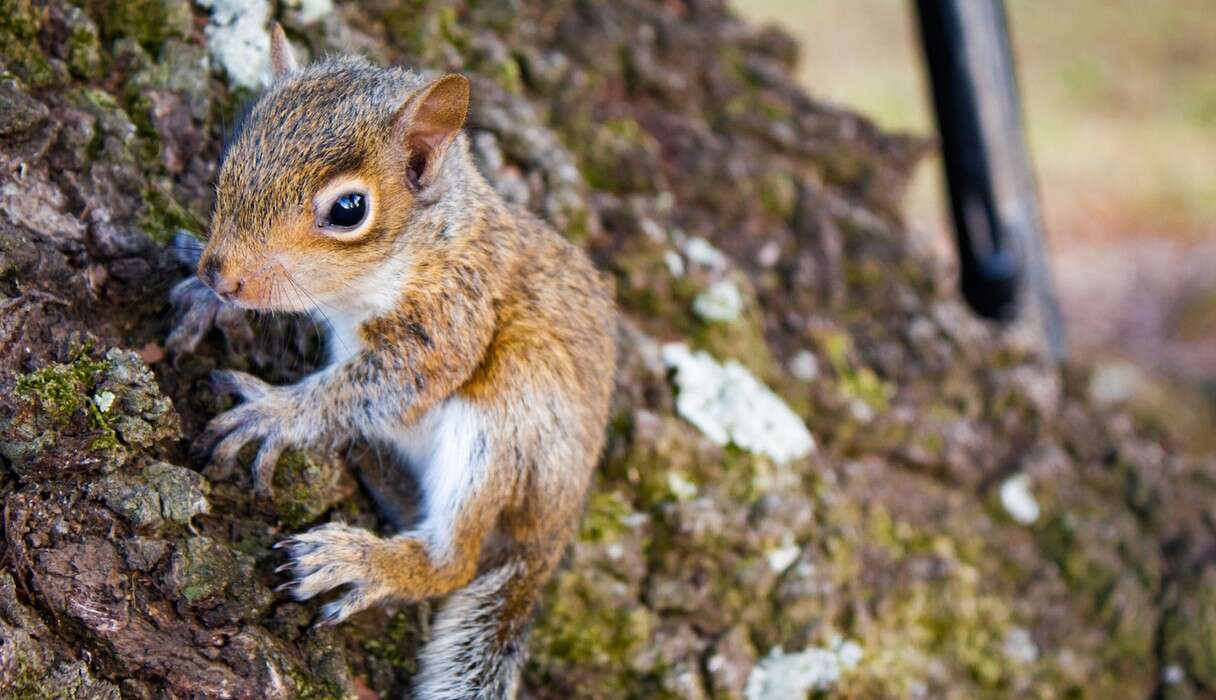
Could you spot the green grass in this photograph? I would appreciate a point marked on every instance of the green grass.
(1120, 98)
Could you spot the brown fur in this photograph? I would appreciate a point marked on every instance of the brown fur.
(492, 307)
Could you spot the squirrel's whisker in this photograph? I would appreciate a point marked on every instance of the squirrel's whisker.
(319, 307)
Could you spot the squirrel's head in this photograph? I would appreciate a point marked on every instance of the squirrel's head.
(327, 178)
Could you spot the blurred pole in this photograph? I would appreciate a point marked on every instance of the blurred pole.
(993, 198)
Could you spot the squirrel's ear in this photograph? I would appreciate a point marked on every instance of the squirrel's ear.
(282, 60)
(430, 121)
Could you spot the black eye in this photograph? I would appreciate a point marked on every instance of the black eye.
(349, 210)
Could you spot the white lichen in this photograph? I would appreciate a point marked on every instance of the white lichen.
(312, 10)
(861, 411)
(680, 486)
(1020, 646)
(782, 676)
(1018, 501)
(783, 557)
(238, 40)
(722, 302)
(652, 230)
(1114, 383)
(769, 255)
(730, 406)
(104, 400)
(805, 366)
(702, 253)
(675, 264)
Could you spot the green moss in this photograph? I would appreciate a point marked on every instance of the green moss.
(162, 216)
(25, 679)
(931, 442)
(147, 21)
(618, 155)
(603, 520)
(1190, 629)
(742, 341)
(583, 626)
(949, 626)
(854, 383)
(304, 488)
(430, 30)
(866, 273)
(644, 472)
(84, 47)
(397, 645)
(114, 135)
(864, 385)
(779, 194)
(147, 145)
(646, 285)
(836, 347)
(61, 390)
(508, 76)
(202, 570)
(756, 106)
(408, 24)
(744, 476)
(1060, 541)
(308, 687)
(180, 69)
(20, 24)
(450, 28)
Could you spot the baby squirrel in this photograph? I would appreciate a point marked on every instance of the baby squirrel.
(464, 333)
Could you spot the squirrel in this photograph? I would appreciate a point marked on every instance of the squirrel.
(463, 333)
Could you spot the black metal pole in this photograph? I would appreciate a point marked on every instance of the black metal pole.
(993, 199)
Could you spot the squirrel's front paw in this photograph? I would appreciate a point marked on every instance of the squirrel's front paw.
(197, 309)
(330, 556)
(269, 414)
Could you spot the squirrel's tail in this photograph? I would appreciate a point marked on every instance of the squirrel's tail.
(478, 637)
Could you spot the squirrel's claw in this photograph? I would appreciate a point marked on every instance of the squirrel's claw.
(196, 307)
(328, 557)
(222, 428)
(344, 606)
(226, 451)
(263, 467)
(241, 384)
(187, 249)
(259, 419)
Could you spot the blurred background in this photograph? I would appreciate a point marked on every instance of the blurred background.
(1120, 104)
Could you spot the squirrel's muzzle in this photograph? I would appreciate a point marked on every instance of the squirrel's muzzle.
(225, 287)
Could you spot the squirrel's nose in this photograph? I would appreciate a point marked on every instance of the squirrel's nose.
(224, 287)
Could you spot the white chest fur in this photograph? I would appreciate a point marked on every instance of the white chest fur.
(369, 296)
(343, 339)
(447, 451)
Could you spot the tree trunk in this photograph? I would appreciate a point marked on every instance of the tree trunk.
(970, 522)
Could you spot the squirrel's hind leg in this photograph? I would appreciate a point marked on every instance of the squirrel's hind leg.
(373, 568)
(336, 555)
(479, 632)
(438, 557)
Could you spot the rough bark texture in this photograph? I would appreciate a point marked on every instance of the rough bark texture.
(644, 130)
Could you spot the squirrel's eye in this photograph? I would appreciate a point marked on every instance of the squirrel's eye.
(348, 210)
